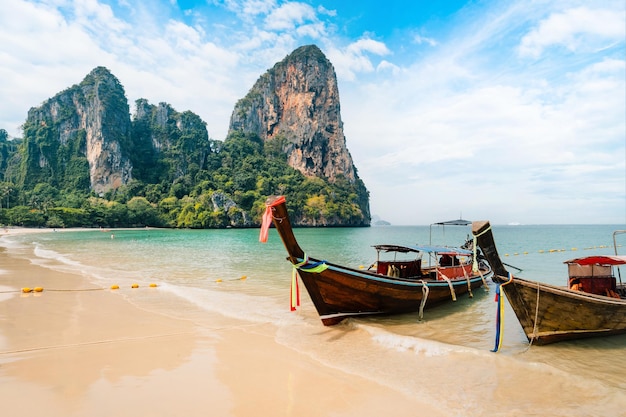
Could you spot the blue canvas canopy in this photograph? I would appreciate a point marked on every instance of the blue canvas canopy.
(457, 222)
(443, 250)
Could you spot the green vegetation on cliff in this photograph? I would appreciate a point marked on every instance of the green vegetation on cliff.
(82, 161)
(197, 183)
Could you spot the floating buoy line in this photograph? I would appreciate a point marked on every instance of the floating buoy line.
(561, 250)
(29, 290)
(241, 278)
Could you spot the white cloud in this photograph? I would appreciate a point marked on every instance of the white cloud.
(289, 15)
(575, 29)
(464, 119)
(355, 58)
(418, 39)
(506, 138)
(387, 66)
(249, 9)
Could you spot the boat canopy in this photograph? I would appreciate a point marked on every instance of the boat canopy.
(442, 250)
(599, 260)
(457, 222)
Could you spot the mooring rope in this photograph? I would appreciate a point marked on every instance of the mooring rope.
(475, 249)
(425, 291)
(452, 293)
(536, 319)
(469, 284)
(483, 279)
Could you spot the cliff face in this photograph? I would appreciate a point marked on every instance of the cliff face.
(89, 122)
(298, 101)
(167, 145)
(83, 140)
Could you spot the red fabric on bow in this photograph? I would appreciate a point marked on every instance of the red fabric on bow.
(267, 219)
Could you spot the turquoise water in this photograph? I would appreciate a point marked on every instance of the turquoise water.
(449, 349)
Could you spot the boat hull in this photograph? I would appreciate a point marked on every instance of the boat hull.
(339, 292)
(550, 314)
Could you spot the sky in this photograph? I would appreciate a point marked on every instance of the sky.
(509, 111)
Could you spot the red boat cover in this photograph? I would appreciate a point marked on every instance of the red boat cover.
(599, 260)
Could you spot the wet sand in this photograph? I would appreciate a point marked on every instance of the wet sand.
(78, 350)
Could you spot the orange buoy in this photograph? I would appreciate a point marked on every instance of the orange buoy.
(38, 289)
(26, 290)
(153, 285)
(134, 286)
(115, 287)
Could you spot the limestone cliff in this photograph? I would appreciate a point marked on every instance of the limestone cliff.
(166, 142)
(162, 168)
(87, 124)
(297, 101)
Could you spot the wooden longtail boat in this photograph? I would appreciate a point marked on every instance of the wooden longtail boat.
(593, 304)
(393, 287)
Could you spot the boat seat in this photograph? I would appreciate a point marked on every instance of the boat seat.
(599, 285)
(406, 269)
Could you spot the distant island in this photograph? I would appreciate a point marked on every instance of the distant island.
(377, 221)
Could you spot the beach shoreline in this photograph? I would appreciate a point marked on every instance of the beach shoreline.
(75, 349)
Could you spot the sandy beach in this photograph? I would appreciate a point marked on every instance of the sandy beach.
(76, 349)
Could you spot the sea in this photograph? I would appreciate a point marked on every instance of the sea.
(445, 358)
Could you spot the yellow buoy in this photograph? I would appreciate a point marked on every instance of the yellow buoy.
(115, 287)
(38, 289)
(134, 286)
(218, 280)
(26, 290)
(153, 285)
(243, 277)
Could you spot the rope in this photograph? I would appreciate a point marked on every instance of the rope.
(469, 285)
(483, 279)
(475, 248)
(294, 289)
(536, 318)
(449, 284)
(29, 290)
(425, 291)
(315, 267)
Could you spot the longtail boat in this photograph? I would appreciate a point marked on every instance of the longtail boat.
(592, 304)
(387, 287)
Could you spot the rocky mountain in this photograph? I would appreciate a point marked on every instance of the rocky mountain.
(87, 125)
(83, 161)
(167, 145)
(297, 102)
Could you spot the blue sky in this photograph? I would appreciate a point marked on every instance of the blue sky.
(512, 111)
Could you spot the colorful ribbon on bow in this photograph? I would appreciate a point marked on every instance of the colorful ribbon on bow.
(500, 315)
(315, 267)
